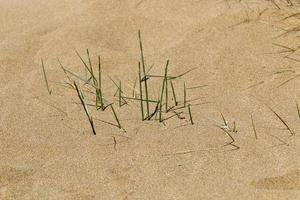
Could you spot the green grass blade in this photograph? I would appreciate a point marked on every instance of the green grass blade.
(162, 92)
(86, 67)
(298, 109)
(100, 92)
(173, 92)
(141, 93)
(116, 117)
(144, 74)
(85, 107)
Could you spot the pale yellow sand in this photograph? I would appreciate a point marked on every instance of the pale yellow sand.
(47, 150)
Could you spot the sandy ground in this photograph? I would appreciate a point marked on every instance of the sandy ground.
(47, 150)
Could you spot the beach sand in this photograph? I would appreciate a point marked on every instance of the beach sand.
(48, 151)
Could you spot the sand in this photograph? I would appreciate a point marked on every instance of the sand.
(47, 149)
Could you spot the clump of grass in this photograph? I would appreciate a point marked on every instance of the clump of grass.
(45, 78)
(92, 85)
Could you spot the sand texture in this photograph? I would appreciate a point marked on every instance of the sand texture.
(245, 60)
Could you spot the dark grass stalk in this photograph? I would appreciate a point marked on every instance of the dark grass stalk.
(85, 107)
(280, 140)
(285, 82)
(224, 120)
(115, 143)
(158, 107)
(190, 113)
(234, 127)
(141, 93)
(283, 121)
(185, 73)
(171, 77)
(93, 105)
(119, 90)
(76, 76)
(291, 16)
(155, 111)
(95, 82)
(138, 99)
(162, 92)
(275, 4)
(298, 109)
(91, 67)
(167, 92)
(288, 49)
(231, 143)
(254, 128)
(196, 87)
(144, 74)
(86, 67)
(65, 72)
(116, 117)
(176, 114)
(184, 95)
(106, 122)
(173, 92)
(120, 94)
(100, 92)
(133, 90)
(45, 78)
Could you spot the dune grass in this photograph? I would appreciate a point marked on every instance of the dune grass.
(163, 107)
